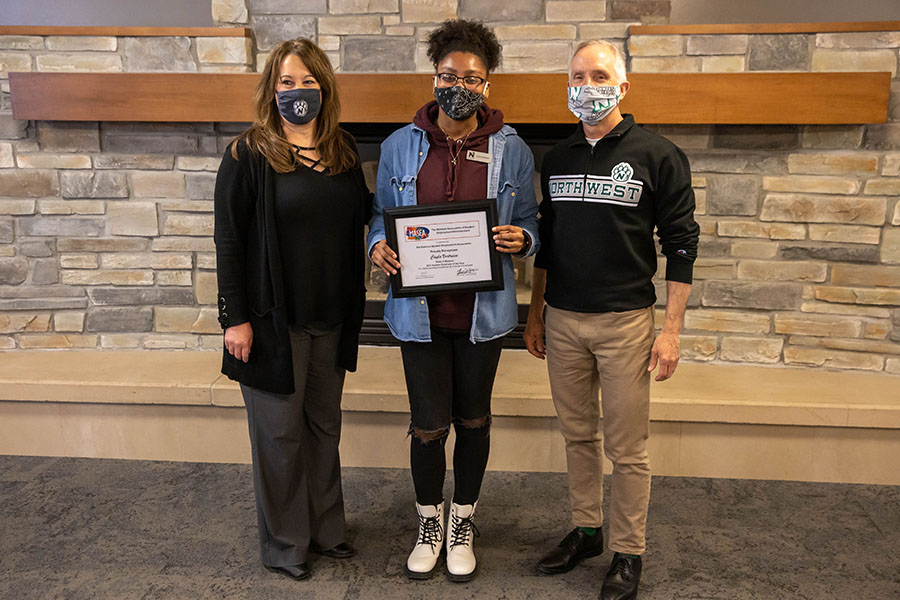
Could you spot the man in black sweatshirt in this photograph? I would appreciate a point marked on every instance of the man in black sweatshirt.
(605, 189)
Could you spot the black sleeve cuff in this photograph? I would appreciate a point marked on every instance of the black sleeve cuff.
(542, 258)
(229, 317)
(681, 271)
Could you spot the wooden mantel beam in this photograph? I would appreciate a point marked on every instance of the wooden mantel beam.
(662, 98)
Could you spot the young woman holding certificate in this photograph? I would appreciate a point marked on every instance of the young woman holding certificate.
(456, 150)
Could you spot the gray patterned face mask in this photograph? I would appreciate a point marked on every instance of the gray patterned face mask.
(591, 103)
(458, 102)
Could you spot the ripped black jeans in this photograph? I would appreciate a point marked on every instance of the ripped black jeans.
(449, 380)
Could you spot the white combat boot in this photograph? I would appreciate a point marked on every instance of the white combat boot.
(461, 532)
(424, 557)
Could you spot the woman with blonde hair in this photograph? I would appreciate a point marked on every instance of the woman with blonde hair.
(290, 206)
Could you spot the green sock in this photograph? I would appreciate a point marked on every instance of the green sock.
(632, 556)
(588, 530)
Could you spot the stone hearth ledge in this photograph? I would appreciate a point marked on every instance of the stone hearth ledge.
(701, 393)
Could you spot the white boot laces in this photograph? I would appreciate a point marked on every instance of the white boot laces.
(430, 531)
(460, 531)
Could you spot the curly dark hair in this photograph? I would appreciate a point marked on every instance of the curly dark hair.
(460, 35)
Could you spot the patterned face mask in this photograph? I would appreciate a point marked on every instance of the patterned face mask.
(299, 106)
(458, 102)
(592, 103)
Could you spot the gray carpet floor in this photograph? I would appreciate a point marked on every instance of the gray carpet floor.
(86, 529)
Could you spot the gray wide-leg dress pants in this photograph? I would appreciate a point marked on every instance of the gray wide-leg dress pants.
(296, 466)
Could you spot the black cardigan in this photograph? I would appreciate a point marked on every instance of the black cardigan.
(249, 272)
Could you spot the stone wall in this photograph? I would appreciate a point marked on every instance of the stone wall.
(105, 228)
(110, 54)
(105, 234)
(800, 248)
(389, 35)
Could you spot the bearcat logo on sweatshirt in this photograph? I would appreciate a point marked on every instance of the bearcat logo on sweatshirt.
(622, 172)
(618, 188)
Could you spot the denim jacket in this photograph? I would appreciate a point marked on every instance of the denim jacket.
(509, 181)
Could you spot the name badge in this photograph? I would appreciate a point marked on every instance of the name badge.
(482, 157)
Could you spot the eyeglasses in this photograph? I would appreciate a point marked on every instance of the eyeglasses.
(470, 81)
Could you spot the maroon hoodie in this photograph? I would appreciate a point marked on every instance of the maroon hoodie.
(439, 181)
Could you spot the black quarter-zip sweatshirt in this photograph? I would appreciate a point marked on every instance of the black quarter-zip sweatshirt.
(600, 208)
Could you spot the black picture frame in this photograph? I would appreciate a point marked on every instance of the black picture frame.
(399, 289)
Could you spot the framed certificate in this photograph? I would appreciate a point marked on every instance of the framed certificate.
(444, 248)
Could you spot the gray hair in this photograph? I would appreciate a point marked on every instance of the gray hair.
(618, 59)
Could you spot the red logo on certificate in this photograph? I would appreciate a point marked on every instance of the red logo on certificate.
(414, 234)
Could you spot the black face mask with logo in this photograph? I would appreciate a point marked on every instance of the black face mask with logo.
(458, 102)
(299, 106)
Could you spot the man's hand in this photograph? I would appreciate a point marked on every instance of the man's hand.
(534, 328)
(666, 352)
(238, 340)
(509, 239)
(666, 347)
(534, 336)
(384, 258)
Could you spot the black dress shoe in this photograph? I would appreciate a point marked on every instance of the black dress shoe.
(342, 550)
(622, 579)
(295, 572)
(574, 548)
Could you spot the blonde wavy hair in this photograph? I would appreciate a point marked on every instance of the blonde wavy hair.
(266, 134)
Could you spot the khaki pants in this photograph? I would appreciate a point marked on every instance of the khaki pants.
(586, 351)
